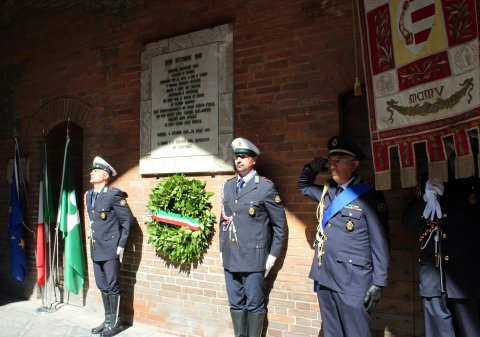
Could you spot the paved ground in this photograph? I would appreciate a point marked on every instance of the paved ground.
(21, 318)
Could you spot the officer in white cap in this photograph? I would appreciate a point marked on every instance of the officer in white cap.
(252, 232)
(110, 216)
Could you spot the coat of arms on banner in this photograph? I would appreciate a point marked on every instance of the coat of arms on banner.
(422, 74)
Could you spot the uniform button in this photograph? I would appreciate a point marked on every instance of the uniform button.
(349, 214)
(419, 260)
(350, 261)
(444, 235)
(236, 200)
(329, 225)
(234, 213)
(445, 215)
(446, 258)
(93, 231)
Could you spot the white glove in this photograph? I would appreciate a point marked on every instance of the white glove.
(270, 262)
(120, 251)
(433, 191)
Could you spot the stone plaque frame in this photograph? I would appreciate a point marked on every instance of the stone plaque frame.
(210, 163)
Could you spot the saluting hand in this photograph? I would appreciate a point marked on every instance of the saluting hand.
(319, 164)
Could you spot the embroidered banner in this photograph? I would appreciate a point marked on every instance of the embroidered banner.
(422, 75)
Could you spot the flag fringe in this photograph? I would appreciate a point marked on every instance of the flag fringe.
(383, 180)
(464, 166)
(438, 170)
(408, 176)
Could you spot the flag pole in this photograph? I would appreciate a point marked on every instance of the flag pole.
(45, 215)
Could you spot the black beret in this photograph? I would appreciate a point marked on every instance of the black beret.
(339, 145)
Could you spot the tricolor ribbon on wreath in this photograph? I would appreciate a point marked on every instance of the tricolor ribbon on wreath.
(175, 219)
(422, 75)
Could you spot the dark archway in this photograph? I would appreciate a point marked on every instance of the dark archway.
(55, 142)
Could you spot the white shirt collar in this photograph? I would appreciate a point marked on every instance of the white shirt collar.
(345, 186)
(248, 177)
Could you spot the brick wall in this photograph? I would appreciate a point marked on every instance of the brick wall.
(292, 62)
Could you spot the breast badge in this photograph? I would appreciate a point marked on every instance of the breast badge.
(103, 215)
(251, 211)
(350, 226)
(278, 199)
(123, 202)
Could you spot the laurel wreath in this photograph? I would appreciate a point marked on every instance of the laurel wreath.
(188, 198)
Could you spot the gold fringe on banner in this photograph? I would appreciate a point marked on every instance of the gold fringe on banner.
(408, 177)
(464, 166)
(438, 170)
(383, 180)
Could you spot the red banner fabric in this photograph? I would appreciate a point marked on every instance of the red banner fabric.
(423, 83)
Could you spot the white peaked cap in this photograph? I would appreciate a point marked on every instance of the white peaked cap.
(100, 163)
(244, 146)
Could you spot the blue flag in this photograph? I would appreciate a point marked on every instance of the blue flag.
(18, 266)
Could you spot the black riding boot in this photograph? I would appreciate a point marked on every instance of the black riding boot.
(106, 308)
(239, 320)
(255, 324)
(115, 325)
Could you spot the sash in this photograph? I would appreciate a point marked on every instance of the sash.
(343, 199)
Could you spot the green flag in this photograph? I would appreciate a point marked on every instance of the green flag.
(69, 223)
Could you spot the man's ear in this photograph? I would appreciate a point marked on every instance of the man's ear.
(356, 164)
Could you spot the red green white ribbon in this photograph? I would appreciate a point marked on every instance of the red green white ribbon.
(176, 219)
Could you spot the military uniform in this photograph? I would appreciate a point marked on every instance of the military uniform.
(252, 226)
(110, 222)
(351, 254)
(457, 253)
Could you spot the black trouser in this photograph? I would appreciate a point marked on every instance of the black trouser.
(107, 276)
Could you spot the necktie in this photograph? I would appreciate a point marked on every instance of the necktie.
(240, 184)
(94, 198)
(338, 190)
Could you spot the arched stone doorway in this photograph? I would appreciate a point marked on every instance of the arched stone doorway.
(51, 123)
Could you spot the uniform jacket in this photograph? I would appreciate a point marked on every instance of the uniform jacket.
(110, 223)
(353, 260)
(260, 223)
(460, 225)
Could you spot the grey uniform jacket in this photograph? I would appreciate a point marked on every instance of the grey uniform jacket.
(260, 223)
(110, 223)
(354, 259)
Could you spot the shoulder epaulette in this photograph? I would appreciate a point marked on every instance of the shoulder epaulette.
(266, 179)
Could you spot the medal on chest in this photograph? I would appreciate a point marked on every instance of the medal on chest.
(350, 226)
